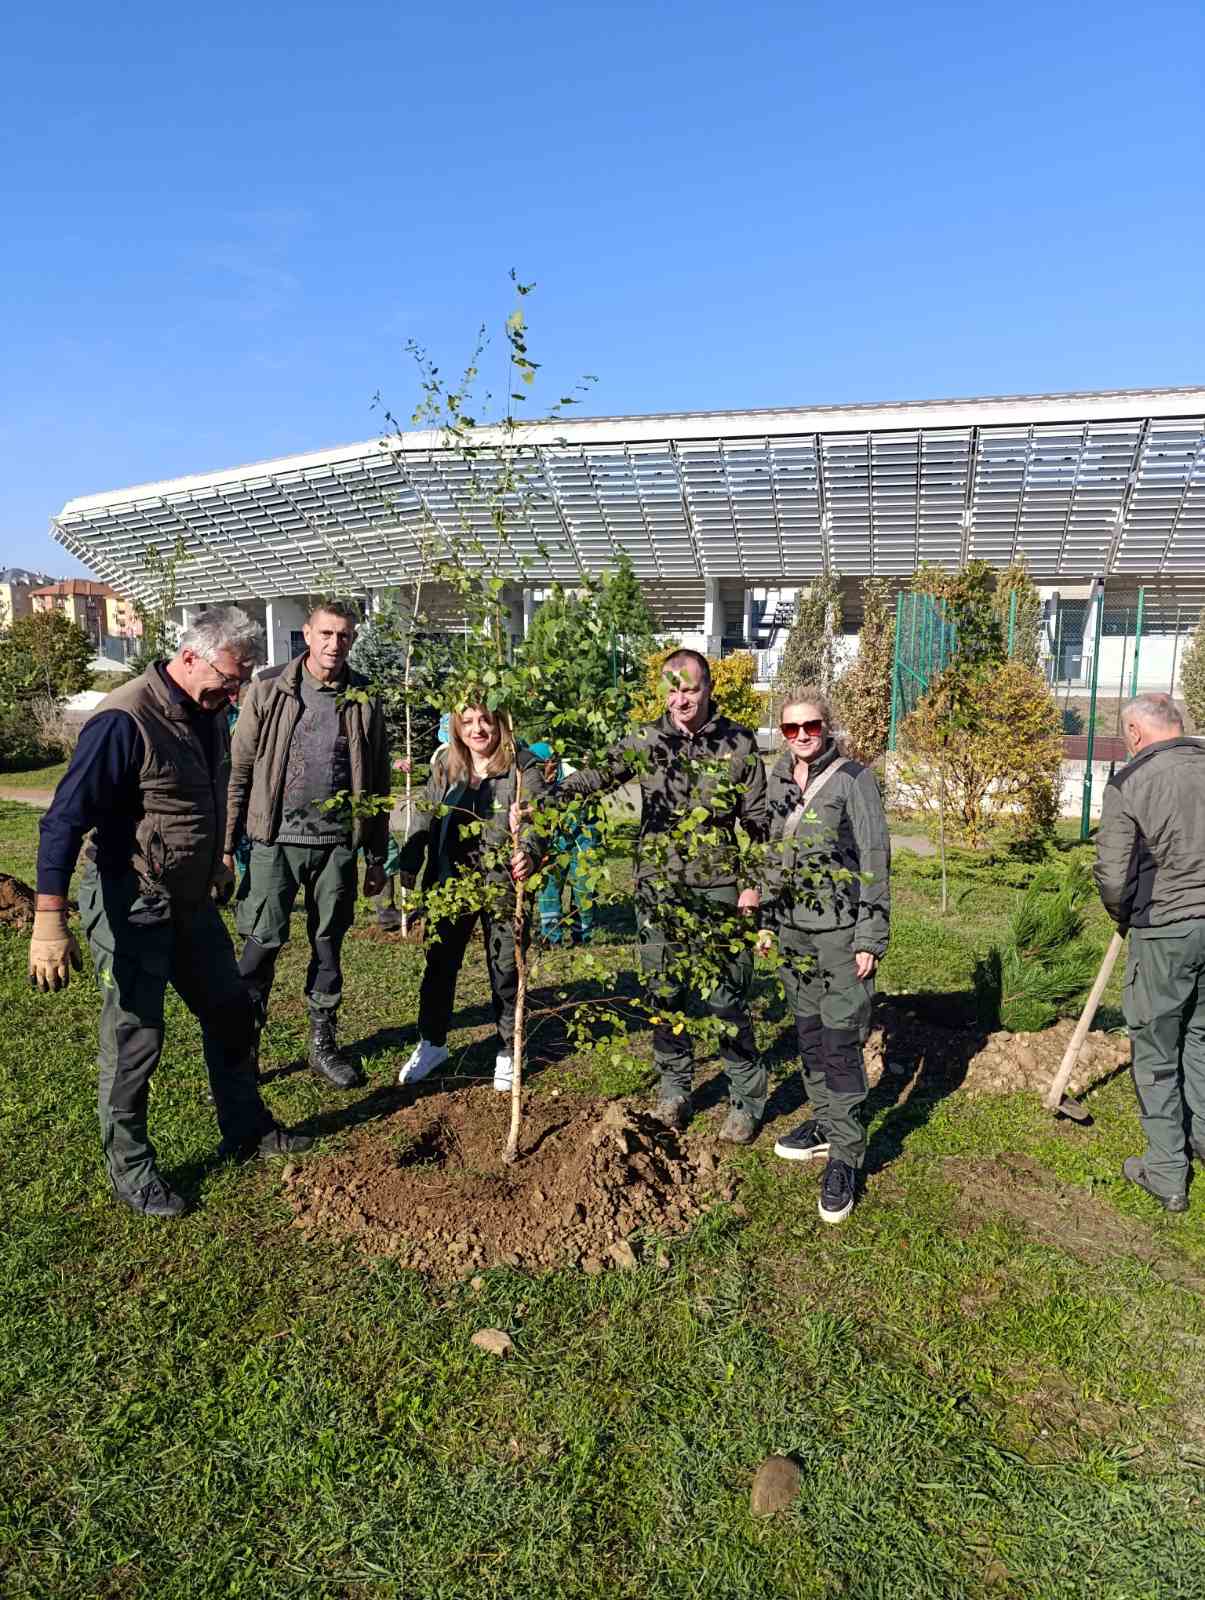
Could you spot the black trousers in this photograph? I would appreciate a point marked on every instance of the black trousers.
(437, 994)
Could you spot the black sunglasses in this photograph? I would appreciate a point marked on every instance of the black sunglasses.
(813, 727)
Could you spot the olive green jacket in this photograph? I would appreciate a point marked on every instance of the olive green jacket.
(717, 768)
(842, 830)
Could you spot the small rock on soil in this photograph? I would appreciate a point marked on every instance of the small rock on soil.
(493, 1341)
(775, 1486)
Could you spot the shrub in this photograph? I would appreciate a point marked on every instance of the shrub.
(1192, 675)
(810, 653)
(43, 654)
(1043, 968)
(863, 692)
(1000, 752)
(21, 743)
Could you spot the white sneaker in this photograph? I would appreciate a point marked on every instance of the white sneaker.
(504, 1073)
(424, 1059)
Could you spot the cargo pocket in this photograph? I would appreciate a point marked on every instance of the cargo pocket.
(1134, 1003)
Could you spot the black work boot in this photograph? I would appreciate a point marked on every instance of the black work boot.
(155, 1199)
(325, 1057)
(275, 1142)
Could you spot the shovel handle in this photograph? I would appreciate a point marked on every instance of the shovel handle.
(1054, 1096)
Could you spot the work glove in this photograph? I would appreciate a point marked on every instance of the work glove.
(222, 885)
(374, 879)
(52, 952)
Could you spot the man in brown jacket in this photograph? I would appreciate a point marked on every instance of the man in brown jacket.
(309, 782)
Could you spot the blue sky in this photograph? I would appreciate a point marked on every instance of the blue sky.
(221, 223)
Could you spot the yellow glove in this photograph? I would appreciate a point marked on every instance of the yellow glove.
(52, 952)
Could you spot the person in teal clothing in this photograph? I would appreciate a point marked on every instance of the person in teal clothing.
(555, 928)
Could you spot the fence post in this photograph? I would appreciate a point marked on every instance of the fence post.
(1137, 642)
(1086, 809)
(895, 676)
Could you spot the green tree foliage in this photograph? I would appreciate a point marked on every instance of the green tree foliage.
(1024, 621)
(1192, 675)
(863, 691)
(380, 654)
(991, 735)
(159, 627)
(970, 605)
(1044, 966)
(810, 653)
(587, 646)
(43, 656)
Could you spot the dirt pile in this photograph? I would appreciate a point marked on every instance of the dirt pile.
(911, 1041)
(16, 903)
(427, 1186)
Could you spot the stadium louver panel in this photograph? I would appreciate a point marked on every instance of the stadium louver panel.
(1077, 486)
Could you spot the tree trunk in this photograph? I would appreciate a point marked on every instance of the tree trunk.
(941, 837)
(511, 1154)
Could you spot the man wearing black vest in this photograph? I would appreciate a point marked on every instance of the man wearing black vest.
(148, 781)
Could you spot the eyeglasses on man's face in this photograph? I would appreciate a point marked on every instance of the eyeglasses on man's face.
(811, 729)
(228, 682)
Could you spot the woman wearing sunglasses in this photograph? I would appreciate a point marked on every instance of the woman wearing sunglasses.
(827, 900)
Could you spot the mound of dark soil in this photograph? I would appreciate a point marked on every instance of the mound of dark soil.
(598, 1180)
(16, 902)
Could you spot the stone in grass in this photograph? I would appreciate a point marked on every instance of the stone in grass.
(623, 1256)
(775, 1486)
(493, 1341)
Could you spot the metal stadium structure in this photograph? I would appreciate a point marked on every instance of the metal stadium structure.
(720, 512)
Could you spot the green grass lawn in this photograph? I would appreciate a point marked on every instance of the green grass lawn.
(980, 1405)
(34, 777)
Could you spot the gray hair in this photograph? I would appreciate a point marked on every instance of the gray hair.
(224, 628)
(1160, 709)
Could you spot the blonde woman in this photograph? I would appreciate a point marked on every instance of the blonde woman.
(827, 815)
(476, 781)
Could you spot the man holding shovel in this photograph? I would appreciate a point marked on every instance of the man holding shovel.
(1150, 870)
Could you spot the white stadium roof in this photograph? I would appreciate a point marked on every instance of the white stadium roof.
(1080, 485)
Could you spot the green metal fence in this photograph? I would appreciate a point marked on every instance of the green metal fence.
(1097, 650)
(925, 642)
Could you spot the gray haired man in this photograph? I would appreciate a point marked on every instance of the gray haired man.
(1150, 870)
(148, 782)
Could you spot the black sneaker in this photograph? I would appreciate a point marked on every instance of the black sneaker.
(154, 1199)
(809, 1142)
(1134, 1168)
(276, 1142)
(836, 1191)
